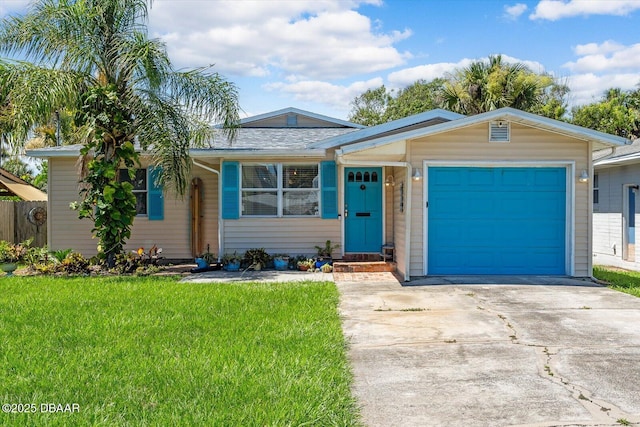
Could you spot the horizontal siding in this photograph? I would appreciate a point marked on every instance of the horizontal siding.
(400, 222)
(294, 236)
(65, 229)
(607, 216)
(171, 234)
(527, 144)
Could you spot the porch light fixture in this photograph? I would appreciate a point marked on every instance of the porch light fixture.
(416, 175)
(389, 181)
(584, 176)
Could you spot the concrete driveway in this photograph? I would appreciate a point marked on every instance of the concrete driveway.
(551, 352)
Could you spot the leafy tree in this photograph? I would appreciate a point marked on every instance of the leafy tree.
(369, 108)
(618, 113)
(488, 85)
(94, 57)
(421, 96)
(480, 87)
(18, 168)
(380, 105)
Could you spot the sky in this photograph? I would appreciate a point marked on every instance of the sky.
(318, 55)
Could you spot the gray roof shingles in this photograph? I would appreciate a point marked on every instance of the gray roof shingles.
(277, 138)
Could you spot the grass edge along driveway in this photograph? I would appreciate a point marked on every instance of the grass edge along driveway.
(618, 279)
(153, 351)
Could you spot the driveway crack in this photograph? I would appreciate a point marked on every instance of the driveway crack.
(600, 410)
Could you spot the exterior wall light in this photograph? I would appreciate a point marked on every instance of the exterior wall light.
(584, 176)
(389, 181)
(416, 175)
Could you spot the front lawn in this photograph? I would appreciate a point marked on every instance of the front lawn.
(153, 351)
(620, 280)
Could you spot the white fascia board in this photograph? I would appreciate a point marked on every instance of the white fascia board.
(249, 153)
(507, 114)
(556, 126)
(387, 127)
(615, 161)
(45, 153)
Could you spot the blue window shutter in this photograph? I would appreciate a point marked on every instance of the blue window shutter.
(231, 190)
(329, 190)
(155, 208)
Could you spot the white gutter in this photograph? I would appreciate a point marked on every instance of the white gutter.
(220, 220)
(255, 153)
(407, 231)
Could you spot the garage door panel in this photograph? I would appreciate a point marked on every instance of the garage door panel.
(515, 223)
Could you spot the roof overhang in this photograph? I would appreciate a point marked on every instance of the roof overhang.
(53, 152)
(207, 153)
(617, 161)
(13, 186)
(598, 139)
(395, 126)
(198, 153)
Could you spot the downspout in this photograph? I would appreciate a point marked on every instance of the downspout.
(407, 238)
(220, 220)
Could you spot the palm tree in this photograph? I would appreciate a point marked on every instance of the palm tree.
(488, 85)
(94, 57)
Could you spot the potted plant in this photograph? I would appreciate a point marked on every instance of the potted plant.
(10, 255)
(281, 261)
(324, 253)
(232, 261)
(306, 264)
(256, 258)
(326, 268)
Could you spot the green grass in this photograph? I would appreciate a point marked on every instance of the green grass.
(152, 351)
(623, 281)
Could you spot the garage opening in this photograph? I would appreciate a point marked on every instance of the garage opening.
(497, 220)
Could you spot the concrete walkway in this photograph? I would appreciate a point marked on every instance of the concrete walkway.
(256, 276)
(470, 352)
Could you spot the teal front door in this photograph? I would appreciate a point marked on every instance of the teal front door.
(363, 209)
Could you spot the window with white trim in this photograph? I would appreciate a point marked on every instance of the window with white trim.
(280, 189)
(140, 188)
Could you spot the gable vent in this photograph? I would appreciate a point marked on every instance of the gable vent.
(292, 120)
(499, 131)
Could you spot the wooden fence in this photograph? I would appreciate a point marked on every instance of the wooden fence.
(20, 221)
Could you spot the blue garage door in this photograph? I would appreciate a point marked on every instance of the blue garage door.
(496, 220)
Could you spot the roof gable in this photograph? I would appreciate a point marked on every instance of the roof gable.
(295, 118)
(599, 139)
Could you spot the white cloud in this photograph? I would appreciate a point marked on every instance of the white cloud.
(608, 56)
(337, 96)
(589, 87)
(553, 10)
(316, 39)
(514, 12)
(428, 72)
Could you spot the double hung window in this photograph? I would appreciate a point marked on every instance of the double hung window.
(279, 189)
(140, 188)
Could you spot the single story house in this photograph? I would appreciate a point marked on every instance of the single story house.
(503, 192)
(616, 183)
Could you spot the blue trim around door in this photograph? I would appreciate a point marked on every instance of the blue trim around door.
(363, 209)
(502, 220)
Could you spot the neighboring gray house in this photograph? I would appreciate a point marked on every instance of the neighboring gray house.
(496, 193)
(616, 181)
